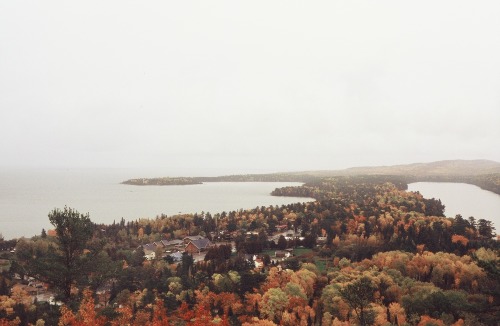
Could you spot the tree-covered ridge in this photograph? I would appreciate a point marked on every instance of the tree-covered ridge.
(448, 167)
(366, 252)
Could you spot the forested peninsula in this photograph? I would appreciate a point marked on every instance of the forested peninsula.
(366, 252)
(168, 181)
(482, 173)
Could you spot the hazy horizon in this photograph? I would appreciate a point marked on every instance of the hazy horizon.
(166, 171)
(226, 87)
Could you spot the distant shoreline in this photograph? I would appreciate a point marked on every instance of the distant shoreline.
(179, 181)
(161, 181)
(489, 182)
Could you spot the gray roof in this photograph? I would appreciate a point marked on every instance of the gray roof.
(171, 242)
(149, 246)
(201, 243)
(194, 237)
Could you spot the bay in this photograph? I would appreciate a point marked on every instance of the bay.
(464, 199)
(27, 196)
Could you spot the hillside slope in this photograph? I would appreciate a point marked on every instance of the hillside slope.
(439, 168)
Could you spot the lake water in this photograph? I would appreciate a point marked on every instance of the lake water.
(27, 196)
(464, 199)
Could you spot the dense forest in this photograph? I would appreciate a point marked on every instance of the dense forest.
(366, 252)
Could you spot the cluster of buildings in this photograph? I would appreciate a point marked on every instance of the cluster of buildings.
(291, 235)
(287, 234)
(198, 245)
(35, 289)
(174, 248)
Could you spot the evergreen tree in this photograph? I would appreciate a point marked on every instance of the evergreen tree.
(359, 296)
(67, 263)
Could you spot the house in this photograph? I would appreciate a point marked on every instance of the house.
(198, 245)
(291, 235)
(288, 235)
(192, 238)
(150, 256)
(191, 244)
(172, 244)
(151, 247)
(52, 301)
(148, 247)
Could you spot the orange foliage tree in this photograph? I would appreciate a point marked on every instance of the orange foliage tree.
(428, 321)
(86, 313)
(159, 314)
(456, 238)
(5, 322)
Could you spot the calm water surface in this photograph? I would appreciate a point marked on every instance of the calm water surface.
(27, 196)
(464, 199)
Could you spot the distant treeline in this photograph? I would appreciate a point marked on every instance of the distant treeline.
(490, 182)
(167, 181)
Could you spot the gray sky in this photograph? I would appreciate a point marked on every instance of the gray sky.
(248, 86)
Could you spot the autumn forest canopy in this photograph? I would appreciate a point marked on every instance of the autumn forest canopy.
(366, 252)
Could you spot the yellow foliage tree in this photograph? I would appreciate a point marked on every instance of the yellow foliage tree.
(397, 314)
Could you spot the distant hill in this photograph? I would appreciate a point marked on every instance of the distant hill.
(439, 168)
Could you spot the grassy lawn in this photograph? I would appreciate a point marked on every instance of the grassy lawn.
(301, 251)
(308, 253)
(321, 264)
(269, 252)
(4, 265)
(296, 252)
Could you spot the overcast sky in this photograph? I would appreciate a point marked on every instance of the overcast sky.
(248, 86)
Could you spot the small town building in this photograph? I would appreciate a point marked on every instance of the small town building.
(192, 238)
(197, 246)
